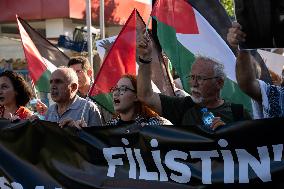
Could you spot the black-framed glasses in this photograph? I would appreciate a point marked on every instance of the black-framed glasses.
(121, 90)
(200, 78)
(79, 71)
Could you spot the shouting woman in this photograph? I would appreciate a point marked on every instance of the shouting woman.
(129, 110)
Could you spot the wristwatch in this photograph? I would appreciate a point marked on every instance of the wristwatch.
(145, 61)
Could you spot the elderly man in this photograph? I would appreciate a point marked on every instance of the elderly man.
(68, 106)
(82, 67)
(206, 80)
(271, 97)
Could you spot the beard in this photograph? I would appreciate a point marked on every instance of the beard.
(197, 100)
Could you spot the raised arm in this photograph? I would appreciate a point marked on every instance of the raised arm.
(144, 87)
(245, 67)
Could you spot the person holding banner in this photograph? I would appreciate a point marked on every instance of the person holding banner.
(206, 79)
(129, 109)
(69, 108)
(15, 94)
(271, 97)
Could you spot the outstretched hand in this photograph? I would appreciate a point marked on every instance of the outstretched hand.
(144, 48)
(106, 44)
(235, 35)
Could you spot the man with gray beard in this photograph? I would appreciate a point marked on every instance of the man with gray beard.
(206, 79)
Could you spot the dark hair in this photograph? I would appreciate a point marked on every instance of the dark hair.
(22, 88)
(80, 60)
(143, 109)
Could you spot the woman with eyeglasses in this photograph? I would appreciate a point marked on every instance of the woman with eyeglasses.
(129, 110)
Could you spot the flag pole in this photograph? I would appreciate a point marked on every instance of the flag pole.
(34, 89)
(161, 59)
(102, 19)
(89, 31)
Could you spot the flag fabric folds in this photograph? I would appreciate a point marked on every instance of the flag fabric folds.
(42, 56)
(185, 34)
(121, 59)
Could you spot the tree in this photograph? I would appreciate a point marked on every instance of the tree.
(229, 6)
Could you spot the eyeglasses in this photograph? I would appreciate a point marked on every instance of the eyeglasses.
(121, 90)
(79, 71)
(200, 78)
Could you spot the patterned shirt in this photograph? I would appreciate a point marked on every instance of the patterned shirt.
(117, 121)
(272, 100)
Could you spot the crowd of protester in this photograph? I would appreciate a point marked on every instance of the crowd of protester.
(134, 100)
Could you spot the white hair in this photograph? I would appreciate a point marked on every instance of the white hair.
(219, 70)
(218, 67)
(70, 74)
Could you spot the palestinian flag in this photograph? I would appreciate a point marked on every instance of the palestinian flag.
(42, 56)
(220, 21)
(184, 34)
(120, 60)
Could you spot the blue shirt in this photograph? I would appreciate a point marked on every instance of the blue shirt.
(91, 115)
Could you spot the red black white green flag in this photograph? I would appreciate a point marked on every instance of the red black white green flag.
(120, 60)
(42, 56)
(184, 34)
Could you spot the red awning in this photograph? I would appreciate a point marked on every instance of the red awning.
(116, 11)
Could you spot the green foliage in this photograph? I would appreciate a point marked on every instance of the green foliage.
(229, 6)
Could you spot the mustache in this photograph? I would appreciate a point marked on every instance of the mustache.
(193, 89)
(53, 91)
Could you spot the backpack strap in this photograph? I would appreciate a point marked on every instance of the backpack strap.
(237, 111)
